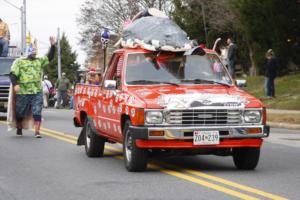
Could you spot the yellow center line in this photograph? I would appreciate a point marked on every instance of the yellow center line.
(226, 182)
(107, 153)
(59, 133)
(198, 181)
(73, 140)
(216, 179)
(206, 184)
(166, 171)
(59, 137)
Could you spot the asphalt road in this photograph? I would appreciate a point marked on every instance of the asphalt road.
(54, 168)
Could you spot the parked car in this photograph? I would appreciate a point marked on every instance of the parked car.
(5, 65)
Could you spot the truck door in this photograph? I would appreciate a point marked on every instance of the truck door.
(109, 119)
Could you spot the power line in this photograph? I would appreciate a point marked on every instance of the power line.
(13, 5)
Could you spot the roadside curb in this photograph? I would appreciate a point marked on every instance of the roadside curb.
(277, 111)
(283, 125)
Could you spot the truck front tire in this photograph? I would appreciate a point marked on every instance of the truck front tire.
(134, 157)
(246, 158)
(94, 144)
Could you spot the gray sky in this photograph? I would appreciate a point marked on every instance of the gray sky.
(43, 19)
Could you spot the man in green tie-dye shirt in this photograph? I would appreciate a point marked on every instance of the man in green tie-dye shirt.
(26, 75)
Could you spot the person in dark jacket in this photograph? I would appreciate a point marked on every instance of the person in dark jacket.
(270, 73)
(62, 86)
(231, 57)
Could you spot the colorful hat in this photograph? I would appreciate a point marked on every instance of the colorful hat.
(31, 49)
(92, 71)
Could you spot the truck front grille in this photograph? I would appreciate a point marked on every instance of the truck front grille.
(4, 90)
(212, 117)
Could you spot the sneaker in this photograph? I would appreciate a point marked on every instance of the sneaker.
(37, 135)
(19, 132)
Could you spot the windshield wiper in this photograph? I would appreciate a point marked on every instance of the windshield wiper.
(4, 74)
(151, 82)
(199, 81)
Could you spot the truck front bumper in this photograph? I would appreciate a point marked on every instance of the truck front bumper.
(182, 137)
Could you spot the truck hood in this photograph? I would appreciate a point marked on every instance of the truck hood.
(4, 80)
(183, 97)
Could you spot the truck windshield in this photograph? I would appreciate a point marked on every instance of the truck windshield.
(175, 69)
(5, 64)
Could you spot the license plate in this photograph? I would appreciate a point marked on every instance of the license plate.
(206, 137)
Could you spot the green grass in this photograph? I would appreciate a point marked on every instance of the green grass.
(287, 91)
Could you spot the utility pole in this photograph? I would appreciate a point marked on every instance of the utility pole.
(22, 31)
(204, 23)
(24, 27)
(58, 54)
(104, 40)
(22, 9)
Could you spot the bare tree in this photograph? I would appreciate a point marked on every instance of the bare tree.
(217, 13)
(97, 14)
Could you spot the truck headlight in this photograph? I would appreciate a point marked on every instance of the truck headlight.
(154, 117)
(252, 116)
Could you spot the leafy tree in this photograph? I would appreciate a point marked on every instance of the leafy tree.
(191, 14)
(255, 25)
(270, 24)
(68, 61)
(187, 14)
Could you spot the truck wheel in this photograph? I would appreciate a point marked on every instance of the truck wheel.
(134, 157)
(246, 158)
(94, 144)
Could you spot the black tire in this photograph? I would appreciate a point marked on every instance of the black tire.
(246, 158)
(94, 144)
(134, 157)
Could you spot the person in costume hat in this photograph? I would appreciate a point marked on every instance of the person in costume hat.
(25, 76)
(93, 77)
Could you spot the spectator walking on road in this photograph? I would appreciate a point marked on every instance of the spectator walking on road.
(25, 77)
(47, 87)
(270, 73)
(231, 57)
(4, 38)
(62, 86)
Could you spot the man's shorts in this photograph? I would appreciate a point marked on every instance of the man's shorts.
(26, 102)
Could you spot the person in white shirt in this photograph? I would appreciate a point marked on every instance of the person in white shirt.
(47, 85)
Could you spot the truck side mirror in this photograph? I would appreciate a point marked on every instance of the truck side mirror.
(110, 84)
(241, 83)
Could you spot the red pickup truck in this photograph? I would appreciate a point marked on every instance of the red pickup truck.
(166, 103)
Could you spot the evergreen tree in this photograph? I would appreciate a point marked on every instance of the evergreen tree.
(270, 24)
(68, 62)
(187, 14)
(255, 25)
